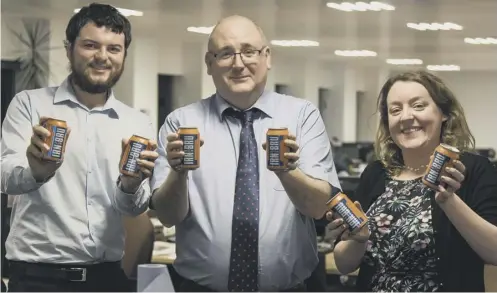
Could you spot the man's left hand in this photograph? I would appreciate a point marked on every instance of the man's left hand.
(293, 152)
(146, 163)
(452, 178)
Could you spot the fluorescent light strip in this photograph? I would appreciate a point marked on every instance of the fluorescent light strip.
(125, 12)
(435, 26)
(481, 41)
(355, 53)
(443, 67)
(295, 43)
(360, 6)
(206, 30)
(404, 61)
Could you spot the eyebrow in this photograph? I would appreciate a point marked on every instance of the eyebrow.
(243, 46)
(95, 42)
(413, 99)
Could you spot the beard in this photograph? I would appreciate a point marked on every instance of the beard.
(82, 79)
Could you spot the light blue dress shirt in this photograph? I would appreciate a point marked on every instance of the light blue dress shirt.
(74, 217)
(287, 239)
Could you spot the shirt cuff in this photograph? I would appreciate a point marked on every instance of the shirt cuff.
(133, 203)
(29, 182)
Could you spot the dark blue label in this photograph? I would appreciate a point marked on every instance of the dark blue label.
(189, 141)
(135, 149)
(348, 216)
(273, 148)
(436, 168)
(58, 137)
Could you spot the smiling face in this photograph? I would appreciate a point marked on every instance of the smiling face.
(239, 75)
(97, 58)
(414, 119)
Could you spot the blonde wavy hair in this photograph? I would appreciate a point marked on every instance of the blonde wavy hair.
(455, 130)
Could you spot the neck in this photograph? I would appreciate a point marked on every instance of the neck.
(242, 102)
(88, 99)
(417, 158)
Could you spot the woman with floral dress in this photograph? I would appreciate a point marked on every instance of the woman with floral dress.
(419, 239)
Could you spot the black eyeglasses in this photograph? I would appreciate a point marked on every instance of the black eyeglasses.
(247, 55)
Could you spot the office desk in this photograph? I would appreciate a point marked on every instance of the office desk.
(331, 268)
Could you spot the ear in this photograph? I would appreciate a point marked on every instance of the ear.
(444, 118)
(268, 58)
(68, 48)
(208, 63)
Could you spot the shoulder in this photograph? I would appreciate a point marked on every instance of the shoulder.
(371, 184)
(472, 160)
(42, 94)
(373, 170)
(130, 112)
(287, 100)
(196, 108)
(478, 168)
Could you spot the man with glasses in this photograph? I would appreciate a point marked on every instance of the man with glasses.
(239, 226)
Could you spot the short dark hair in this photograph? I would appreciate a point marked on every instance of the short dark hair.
(100, 15)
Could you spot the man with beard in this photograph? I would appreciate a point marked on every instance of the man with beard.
(66, 232)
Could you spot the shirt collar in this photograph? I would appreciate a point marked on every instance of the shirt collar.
(65, 92)
(264, 104)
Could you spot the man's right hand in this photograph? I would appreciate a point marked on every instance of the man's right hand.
(41, 168)
(175, 152)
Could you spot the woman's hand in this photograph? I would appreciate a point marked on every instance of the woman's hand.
(452, 178)
(341, 228)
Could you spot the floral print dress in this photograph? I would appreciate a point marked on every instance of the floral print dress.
(401, 248)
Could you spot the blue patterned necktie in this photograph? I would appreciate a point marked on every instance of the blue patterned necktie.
(244, 261)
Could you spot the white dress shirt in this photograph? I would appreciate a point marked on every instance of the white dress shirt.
(287, 239)
(74, 217)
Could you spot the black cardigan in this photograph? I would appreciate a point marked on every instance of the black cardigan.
(460, 268)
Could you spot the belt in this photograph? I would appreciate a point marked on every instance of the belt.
(69, 273)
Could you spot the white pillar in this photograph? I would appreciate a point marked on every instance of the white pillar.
(265, 18)
(303, 84)
(138, 86)
(349, 105)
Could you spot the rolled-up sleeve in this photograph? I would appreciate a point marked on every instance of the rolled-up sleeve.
(316, 158)
(16, 134)
(162, 167)
(137, 203)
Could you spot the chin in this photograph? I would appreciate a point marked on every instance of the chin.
(241, 88)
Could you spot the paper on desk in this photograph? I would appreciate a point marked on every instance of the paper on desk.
(154, 278)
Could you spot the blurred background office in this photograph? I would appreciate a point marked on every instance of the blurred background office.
(334, 54)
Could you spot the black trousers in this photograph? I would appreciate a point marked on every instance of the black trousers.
(191, 286)
(36, 277)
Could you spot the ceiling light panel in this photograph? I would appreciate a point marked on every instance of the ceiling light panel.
(434, 26)
(125, 12)
(404, 61)
(206, 30)
(360, 6)
(355, 53)
(443, 67)
(294, 43)
(481, 41)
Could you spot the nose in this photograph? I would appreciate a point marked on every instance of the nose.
(101, 54)
(406, 114)
(237, 61)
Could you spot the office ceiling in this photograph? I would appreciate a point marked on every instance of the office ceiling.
(384, 32)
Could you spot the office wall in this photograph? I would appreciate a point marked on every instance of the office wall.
(477, 92)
